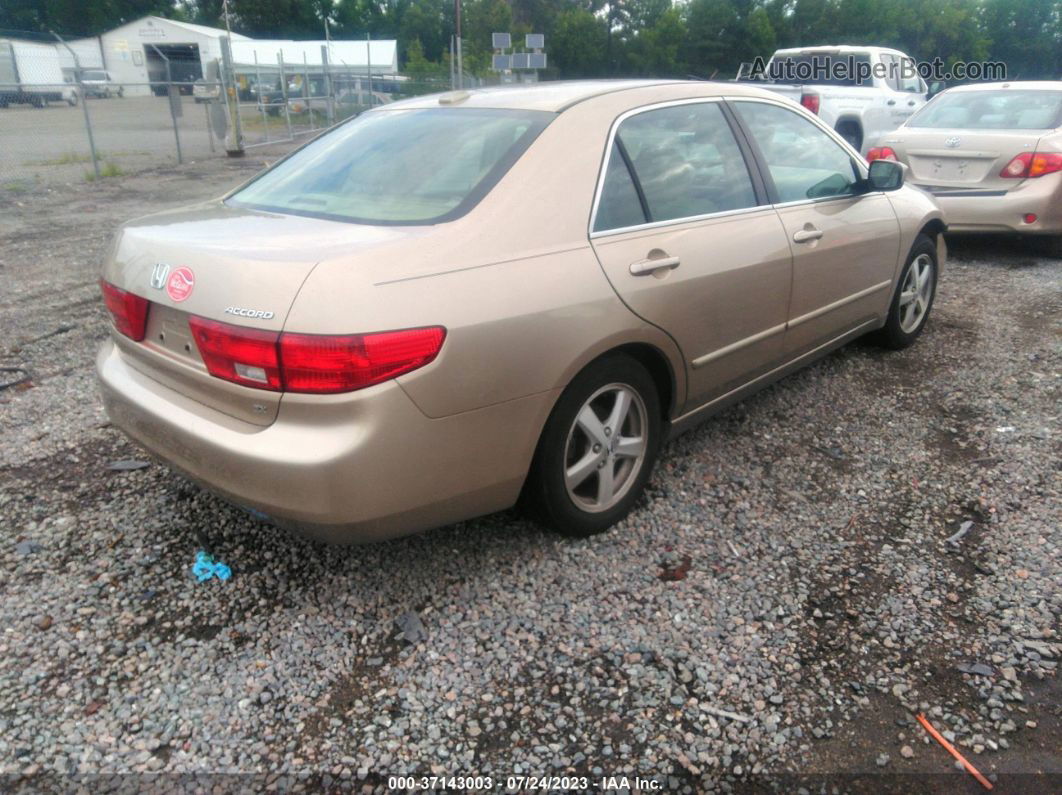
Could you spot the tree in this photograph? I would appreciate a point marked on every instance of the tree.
(654, 48)
(579, 44)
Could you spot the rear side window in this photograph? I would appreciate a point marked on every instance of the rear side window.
(803, 161)
(686, 163)
(619, 205)
(821, 68)
(416, 166)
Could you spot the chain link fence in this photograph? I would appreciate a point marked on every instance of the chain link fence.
(63, 122)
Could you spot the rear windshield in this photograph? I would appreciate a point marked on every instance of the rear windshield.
(992, 110)
(821, 68)
(416, 166)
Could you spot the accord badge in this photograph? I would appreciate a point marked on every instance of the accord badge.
(952, 142)
(241, 312)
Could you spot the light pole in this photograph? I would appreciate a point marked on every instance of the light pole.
(457, 35)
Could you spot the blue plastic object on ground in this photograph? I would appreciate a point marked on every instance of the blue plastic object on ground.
(206, 568)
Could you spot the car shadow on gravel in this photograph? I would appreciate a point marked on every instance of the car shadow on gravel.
(1012, 252)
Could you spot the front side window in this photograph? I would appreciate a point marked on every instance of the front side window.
(686, 163)
(416, 166)
(804, 162)
(1007, 109)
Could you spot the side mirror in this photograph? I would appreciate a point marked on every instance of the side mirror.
(885, 175)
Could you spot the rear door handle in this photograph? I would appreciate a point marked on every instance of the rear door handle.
(806, 235)
(646, 266)
(911, 103)
(891, 102)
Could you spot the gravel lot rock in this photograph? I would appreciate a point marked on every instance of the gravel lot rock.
(782, 603)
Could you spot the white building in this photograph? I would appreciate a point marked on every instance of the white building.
(135, 54)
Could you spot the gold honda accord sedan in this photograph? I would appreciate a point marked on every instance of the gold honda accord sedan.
(454, 302)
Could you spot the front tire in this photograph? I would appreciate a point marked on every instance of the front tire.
(914, 296)
(598, 447)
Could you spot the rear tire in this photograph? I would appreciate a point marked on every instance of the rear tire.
(913, 300)
(587, 474)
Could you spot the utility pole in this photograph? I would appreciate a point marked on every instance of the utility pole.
(236, 148)
(457, 36)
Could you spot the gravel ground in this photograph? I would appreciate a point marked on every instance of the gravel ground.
(774, 613)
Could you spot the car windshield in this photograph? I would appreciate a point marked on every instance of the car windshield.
(992, 110)
(415, 166)
(94, 76)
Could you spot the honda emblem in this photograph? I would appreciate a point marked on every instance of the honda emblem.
(159, 274)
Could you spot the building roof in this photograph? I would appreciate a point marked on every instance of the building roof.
(202, 30)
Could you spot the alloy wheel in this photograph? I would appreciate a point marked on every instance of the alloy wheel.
(606, 448)
(916, 293)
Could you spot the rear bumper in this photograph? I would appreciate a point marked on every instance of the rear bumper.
(1004, 211)
(350, 468)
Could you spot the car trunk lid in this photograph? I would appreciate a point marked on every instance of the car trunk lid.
(237, 266)
(960, 159)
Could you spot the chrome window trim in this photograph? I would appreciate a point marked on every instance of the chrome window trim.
(608, 157)
(653, 225)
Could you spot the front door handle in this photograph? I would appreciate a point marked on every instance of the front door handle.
(911, 103)
(646, 266)
(891, 102)
(806, 235)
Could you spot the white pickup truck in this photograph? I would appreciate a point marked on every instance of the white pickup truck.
(862, 92)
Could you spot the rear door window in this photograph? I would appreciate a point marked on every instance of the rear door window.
(686, 163)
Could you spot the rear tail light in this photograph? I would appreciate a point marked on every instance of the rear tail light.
(313, 363)
(881, 153)
(242, 355)
(316, 363)
(128, 311)
(810, 100)
(1032, 164)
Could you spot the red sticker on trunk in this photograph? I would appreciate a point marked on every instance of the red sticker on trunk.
(180, 284)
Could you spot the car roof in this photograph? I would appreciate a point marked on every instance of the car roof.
(560, 95)
(1020, 85)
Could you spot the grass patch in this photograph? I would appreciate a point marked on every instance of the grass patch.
(65, 159)
(108, 169)
(70, 158)
(15, 187)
